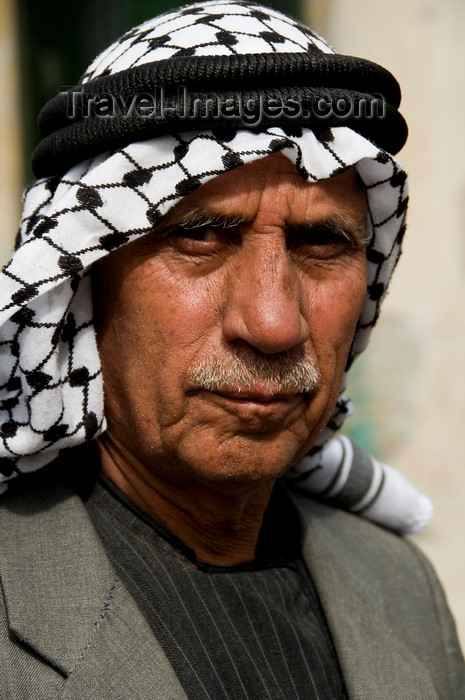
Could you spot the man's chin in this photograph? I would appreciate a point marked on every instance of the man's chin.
(247, 463)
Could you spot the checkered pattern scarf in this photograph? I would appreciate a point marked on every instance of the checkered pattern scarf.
(50, 375)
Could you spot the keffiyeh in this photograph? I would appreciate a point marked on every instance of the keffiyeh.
(50, 376)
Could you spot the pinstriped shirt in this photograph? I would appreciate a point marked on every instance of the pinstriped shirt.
(254, 632)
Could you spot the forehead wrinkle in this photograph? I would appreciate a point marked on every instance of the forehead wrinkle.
(245, 196)
(344, 222)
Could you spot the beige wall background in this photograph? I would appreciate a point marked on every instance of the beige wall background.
(10, 144)
(411, 384)
(410, 387)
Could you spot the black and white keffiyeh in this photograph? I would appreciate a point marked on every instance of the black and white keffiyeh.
(50, 376)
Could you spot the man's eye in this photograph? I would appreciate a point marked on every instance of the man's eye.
(201, 233)
(325, 238)
(200, 240)
(321, 242)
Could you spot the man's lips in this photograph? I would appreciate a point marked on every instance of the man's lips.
(256, 403)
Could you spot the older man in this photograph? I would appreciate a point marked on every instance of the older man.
(240, 176)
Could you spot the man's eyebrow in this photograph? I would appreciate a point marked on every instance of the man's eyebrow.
(354, 228)
(197, 217)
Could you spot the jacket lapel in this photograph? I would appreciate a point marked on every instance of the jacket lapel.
(375, 662)
(64, 602)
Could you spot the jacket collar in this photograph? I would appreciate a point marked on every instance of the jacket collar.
(49, 561)
(64, 601)
(375, 661)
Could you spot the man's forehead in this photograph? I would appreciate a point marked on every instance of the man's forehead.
(271, 182)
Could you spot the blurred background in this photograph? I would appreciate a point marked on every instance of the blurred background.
(409, 388)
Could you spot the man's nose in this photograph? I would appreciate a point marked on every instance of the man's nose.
(266, 307)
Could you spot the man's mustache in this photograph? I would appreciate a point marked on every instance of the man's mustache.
(288, 371)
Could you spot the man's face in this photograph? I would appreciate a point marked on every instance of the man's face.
(256, 272)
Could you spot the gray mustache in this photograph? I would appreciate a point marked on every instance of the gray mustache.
(286, 371)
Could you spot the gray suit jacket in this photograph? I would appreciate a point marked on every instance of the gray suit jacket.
(69, 629)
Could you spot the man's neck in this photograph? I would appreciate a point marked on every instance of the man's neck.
(221, 528)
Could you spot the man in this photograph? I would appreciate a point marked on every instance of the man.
(229, 272)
